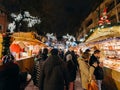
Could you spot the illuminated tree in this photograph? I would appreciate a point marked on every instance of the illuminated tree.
(22, 17)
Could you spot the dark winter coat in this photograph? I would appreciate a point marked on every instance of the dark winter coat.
(54, 74)
(9, 77)
(99, 73)
(71, 70)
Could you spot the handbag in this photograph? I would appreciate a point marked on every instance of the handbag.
(92, 85)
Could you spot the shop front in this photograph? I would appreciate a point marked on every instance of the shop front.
(107, 40)
(24, 47)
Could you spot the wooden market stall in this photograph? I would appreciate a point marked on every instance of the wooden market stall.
(108, 41)
(24, 47)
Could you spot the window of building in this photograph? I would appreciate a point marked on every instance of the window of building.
(119, 15)
(113, 19)
(89, 22)
(110, 6)
(0, 27)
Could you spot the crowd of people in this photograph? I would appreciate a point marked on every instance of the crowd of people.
(54, 70)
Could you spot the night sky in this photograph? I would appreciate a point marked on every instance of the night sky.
(58, 16)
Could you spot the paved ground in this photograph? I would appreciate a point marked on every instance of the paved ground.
(77, 85)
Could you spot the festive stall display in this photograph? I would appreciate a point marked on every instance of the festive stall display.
(23, 47)
(107, 40)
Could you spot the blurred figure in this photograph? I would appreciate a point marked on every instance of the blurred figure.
(39, 65)
(68, 52)
(9, 74)
(87, 51)
(84, 69)
(74, 58)
(54, 74)
(95, 57)
(61, 53)
(44, 54)
(71, 70)
(98, 72)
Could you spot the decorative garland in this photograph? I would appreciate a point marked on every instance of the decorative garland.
(6, 43)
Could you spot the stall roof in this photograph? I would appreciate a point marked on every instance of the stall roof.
(104, 33)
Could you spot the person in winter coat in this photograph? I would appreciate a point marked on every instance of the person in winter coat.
(39, 65)
(71, 70)
(9, 74)
(54, 75)
(84, 69)
(98, 72)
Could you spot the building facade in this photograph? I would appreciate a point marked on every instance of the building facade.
(113, 13)
(3, 20)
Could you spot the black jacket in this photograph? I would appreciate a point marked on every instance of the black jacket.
(9, 77)
(71, 70)
(93, 59)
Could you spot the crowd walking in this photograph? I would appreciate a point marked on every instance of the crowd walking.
(56, 70)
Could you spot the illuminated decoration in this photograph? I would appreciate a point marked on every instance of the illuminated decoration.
(23, 16)
(51, 36)
(70, 40)
(52, 40)
(104, 18)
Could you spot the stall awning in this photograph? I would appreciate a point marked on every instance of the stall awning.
(27, 36)
(105, 33)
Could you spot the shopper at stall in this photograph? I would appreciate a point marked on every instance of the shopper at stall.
(95, 57)
(71, 70)
(84, 69)
(98, 72)
(54, 74)
(9, 74)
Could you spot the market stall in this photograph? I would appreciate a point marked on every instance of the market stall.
(107, 40)
(24, 47)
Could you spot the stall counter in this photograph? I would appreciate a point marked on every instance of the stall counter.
(112, 79)
(26, 64)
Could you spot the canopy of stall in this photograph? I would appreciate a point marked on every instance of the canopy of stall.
(28, 37)
(104, 33)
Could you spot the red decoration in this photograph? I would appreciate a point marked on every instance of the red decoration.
(15, 48)
(104, 18)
